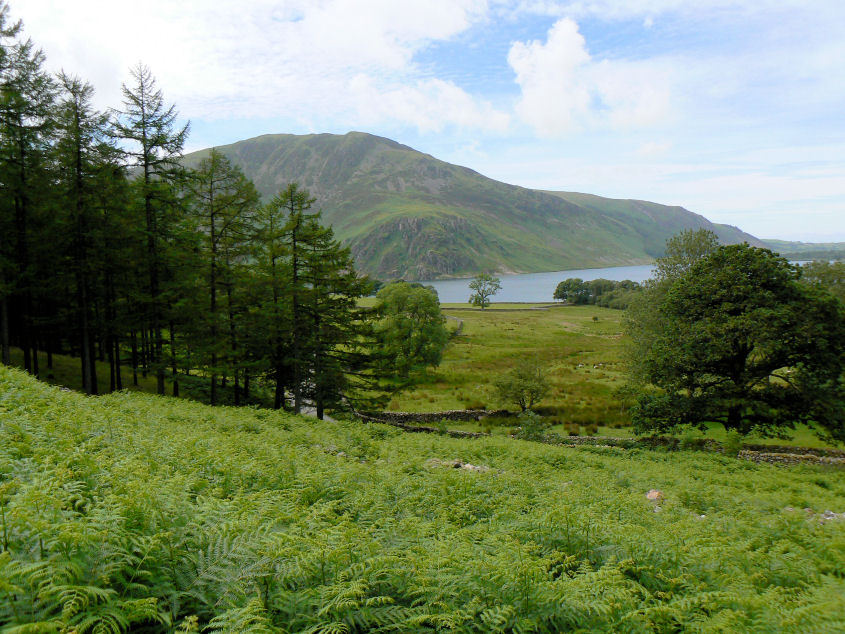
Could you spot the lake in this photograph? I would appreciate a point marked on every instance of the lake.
(537, 287)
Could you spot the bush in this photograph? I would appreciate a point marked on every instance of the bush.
(733, 444)
(531, 427)
(524, 385)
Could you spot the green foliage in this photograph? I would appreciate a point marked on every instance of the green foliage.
(828, 275)
(739, 340)
(523, 385)
(572, 290)
(733, 443)
(600, 292)
(683, 251)
(484, 286)
(410, 332)
(531, 426)
(132, 512)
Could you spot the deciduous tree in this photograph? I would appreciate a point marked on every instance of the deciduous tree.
(410, 330)
(485, 286)
(524, 385)
(745, 344)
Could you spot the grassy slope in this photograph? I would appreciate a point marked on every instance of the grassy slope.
(266, 521)
(561, 339)
(808, 250)
(407, 214)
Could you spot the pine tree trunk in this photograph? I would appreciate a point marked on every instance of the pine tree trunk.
(297, 361)
(118, 379)
(5, 347)
(22, 256)
(279, 397)
(233, 342)
(92, 365)
(145, 356)
(212, 288)
(134, 344)
(173, 359)
(36, 370)
(110, 355)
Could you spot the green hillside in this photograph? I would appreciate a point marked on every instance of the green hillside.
(407, 214)
(144, 513)
(808, 250)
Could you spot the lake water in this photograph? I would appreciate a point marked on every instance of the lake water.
(537, 287)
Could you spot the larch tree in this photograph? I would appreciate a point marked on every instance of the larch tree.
(155, 146)
(222, 204)
(8, 31)
(27, 96)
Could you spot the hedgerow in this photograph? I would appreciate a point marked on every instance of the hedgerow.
(150, 514)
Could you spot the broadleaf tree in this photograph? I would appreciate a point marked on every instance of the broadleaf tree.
(484, 286)
(744, 344)
(410, 330)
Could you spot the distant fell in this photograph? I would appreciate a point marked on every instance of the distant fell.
(406, 214)
(807, 250)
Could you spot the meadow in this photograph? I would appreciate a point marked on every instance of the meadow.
(579, 348)
(134, 511)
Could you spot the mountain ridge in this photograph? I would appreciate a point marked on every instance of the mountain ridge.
(406, 214)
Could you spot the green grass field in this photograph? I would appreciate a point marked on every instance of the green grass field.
(580, 355)
(580, 349)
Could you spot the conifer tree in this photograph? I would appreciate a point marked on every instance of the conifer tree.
(27, 95)
(336, 329)
(222, 202)
(271, 338)
(156, 147)
(7, 33)
(84, 157)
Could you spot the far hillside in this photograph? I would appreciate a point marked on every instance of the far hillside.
(408, 215)
(808, 250)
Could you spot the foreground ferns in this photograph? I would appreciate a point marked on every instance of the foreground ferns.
(145, 514)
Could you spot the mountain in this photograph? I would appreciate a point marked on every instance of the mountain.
(407, 214)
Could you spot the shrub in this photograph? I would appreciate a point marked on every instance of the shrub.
(733, 444)
(524, 385)
(532, 426)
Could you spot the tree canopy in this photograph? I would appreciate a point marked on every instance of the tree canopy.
(524, 385)
(484, 286)
(741, 342)
(410, 331)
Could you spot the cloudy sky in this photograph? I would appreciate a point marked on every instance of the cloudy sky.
(733, 109)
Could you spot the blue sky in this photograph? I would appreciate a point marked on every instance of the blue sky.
(731, 109)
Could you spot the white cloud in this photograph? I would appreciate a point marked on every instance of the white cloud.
(564, 89)
(630, 9)
(653, 148)
(430, 105)
(260, 58)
